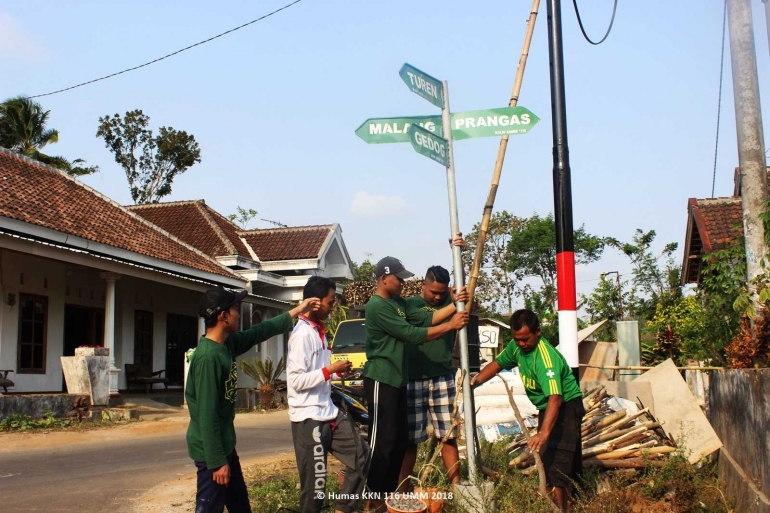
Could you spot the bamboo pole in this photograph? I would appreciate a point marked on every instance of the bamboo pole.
(642, 367)
(490, 203)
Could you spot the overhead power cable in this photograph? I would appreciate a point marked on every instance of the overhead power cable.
(171, 54)
(580, 22)
(719, 102)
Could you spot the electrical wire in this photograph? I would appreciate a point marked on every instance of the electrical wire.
(609, 29)
(171, 54)
(719, 102)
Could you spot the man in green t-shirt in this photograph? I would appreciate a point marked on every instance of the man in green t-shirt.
(552, 388)
(391, 324)
(432, 387)
(210, 394)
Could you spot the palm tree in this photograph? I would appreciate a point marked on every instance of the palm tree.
(23, 130)
(265, 373)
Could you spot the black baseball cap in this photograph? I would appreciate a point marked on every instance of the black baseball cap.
(391, 265)
(219, 300)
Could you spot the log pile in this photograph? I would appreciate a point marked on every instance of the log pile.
(359, 292)
(611, 439)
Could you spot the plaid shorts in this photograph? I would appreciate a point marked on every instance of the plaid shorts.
(430, 398)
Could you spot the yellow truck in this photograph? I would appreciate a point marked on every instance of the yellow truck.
(350, 344)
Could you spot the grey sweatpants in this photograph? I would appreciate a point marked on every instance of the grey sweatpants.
(313, 440)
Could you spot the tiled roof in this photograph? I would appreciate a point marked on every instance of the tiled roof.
(197, 224)
(294, 243)
(37, 194)
(719, 221)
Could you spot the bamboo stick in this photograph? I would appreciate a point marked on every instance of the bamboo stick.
(617, 425)
(619, 434)
(642, 367)
(632, 453)
(603, 422)
(490, 203)
(628, 463)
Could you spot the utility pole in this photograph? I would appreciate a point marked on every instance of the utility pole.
(767, 20)
(751, 141)
(562, 195)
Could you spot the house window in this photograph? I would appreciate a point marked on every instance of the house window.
(143, 338)
(33, 321)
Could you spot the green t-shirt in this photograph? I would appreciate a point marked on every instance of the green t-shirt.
(434, 358)
(212, 381)
(543, 370)
(391, 323)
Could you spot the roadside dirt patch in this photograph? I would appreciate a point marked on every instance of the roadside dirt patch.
(41, 440)
(178, 495)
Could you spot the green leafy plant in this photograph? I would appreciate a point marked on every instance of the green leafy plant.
(338, 314)
(265, 373)
(19, 422)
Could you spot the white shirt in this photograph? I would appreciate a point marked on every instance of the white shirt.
(309, 392)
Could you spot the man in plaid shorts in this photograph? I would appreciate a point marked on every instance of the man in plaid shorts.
(431, 389)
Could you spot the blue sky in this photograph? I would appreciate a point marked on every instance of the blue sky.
(274, 107)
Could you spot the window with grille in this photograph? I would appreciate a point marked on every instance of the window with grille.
(33, 323)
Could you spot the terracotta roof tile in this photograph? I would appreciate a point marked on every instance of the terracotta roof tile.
(197, 224)
(719, 221)
(37, 194)
(294, 243)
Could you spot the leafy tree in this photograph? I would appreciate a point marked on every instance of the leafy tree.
(604, 303)
(531, 252)
(497, 285)
(365, 271)
(151, 162)
(243, 217)
(23, 130)
(656, 277)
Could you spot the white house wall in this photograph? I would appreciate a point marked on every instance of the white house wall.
(47, 278)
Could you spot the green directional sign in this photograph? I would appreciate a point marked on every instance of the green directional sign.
(429, 144)
(394, 130)
(465, 125)
(492, 122)
(423, 84)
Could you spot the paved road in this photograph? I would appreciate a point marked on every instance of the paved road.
(105, 470)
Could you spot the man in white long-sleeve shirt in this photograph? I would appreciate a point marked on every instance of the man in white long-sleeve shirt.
(317, 425)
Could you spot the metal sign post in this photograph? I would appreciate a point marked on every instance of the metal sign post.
(454, 221)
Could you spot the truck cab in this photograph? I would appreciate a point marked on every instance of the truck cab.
(350, 344)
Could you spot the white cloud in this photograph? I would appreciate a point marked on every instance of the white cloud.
(377, 205)
(15, 43)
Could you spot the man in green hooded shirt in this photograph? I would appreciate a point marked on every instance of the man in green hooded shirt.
(210, 394)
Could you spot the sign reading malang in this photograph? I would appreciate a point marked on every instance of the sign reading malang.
(465, 125)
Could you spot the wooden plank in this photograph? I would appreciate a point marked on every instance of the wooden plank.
(597, 355)
(678, 410)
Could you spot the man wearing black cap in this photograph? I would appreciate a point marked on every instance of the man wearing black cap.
(391, 323)
(210, 395)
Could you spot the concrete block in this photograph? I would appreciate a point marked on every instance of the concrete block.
(629, 349)
(473, 497)
(88, 375)
(37, 405)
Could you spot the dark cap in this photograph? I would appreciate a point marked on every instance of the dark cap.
(391, 265)
(219, 300)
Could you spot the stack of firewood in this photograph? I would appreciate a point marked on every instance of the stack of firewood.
(611, 439)
(359, 292)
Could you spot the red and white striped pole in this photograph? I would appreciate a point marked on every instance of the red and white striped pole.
(562, 195)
